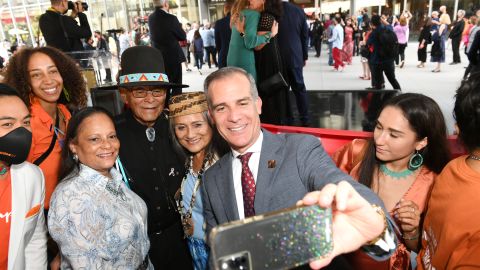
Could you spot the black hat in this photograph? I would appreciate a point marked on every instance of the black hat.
(144, 66)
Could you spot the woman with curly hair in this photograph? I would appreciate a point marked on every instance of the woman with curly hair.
(48, 82)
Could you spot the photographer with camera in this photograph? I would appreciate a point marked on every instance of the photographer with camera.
(61, 31)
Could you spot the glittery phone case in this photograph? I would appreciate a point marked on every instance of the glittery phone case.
(277, 240)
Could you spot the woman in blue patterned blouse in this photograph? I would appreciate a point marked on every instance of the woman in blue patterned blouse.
(97, 221)
(201, 145)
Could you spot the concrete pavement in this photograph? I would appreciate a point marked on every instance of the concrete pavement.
(319, 76)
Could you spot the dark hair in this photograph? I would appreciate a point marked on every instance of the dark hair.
(275, 8)
(375, 20)
(338, 19)
(7, 91)
(68, 164)
(18, 77)
(427, 22)
(426, 120)
(196, 34)
(467, 111)
(216, 146)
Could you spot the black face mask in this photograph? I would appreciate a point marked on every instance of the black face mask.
(15, 145)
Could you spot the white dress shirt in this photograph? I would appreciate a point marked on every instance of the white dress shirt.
(237, 171)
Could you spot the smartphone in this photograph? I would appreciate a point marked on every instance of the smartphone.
(277, 240)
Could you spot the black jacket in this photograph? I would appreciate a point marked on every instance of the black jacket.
(51, 26)
(457, 30)
(293, 36)
(222, 39)
(156, 174)
(474, 53)
(165, 33)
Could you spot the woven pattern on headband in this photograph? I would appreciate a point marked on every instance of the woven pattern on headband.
(187, 103)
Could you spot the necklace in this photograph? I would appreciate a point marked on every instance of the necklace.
(395, 175)
(6, 188)
(474, 157)
(186, 216)
(3, 168)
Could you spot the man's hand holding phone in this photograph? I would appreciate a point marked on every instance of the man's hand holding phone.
(355, 220)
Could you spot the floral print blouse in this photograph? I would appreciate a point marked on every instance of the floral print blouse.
(98, 222)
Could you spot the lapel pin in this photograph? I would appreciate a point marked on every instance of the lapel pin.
(272, 163)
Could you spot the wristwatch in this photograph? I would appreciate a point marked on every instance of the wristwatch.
(242, 34)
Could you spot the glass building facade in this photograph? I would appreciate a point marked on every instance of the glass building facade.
(19, 18)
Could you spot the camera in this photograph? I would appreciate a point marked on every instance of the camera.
(71, 5)
(238, 261)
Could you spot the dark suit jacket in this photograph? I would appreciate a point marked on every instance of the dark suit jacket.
(54, 34)
(457, 30)
(474, 53)
(302, 165)
(222, 39)
(293, 36)
(165, 33)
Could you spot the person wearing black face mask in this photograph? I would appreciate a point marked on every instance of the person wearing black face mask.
(63, 32)
(23, 239)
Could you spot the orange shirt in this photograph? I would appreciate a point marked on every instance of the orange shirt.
(5, 219)
(451, 230)
(348, 159)
(42, 133)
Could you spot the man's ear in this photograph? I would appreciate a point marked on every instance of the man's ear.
(258, 105)
(123, 95)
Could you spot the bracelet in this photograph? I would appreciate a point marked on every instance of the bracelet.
(411, 238)
(267, 35)
(406, 237)
(379, 211)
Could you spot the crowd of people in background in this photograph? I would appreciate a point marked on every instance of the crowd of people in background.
(143, 189)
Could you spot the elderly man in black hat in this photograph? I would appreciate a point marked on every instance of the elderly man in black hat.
(153, 168)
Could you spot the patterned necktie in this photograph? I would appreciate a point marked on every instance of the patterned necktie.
(248, 186)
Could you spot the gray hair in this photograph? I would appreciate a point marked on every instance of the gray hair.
(462, 12)
(225, 73)
(159, 3)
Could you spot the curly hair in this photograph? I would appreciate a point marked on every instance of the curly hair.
(17, 76)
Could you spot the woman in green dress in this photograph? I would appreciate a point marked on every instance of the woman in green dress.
(245, 15)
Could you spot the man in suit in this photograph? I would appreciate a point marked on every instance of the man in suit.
(148, 155)
(63, 32)
(222, 34)
(292, 40)
(456, 36)
(165, 33)
(23, 238)
(266, 172)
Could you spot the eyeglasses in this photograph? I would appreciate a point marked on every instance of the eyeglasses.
(141, 93)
